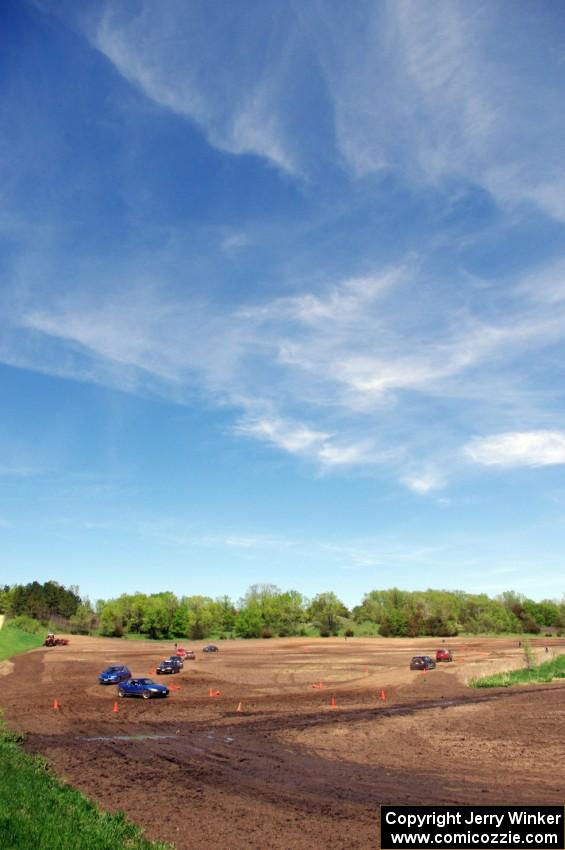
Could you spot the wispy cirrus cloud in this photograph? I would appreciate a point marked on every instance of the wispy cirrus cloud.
(10, 471)
(434, 92)
(169, 53)
(234, 242)
(345, 376)
(385, 364)
(329, 450)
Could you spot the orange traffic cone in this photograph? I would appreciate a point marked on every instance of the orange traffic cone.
(239, 708)
(382, 695)
(333, 703)
(115, 709)
(213, 693)
(56, 705)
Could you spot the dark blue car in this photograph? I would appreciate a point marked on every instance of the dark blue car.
(145, 688)
(114, 675)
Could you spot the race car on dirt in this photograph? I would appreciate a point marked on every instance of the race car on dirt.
(114, 675)
(422, 662)
(185, 653)
(210, 648)
(176, 659)
(145, 688)
(444, 655)
(168, 666)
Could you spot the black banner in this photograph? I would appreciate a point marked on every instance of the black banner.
(472, 826)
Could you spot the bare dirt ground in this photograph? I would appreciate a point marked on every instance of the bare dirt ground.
(288, 770)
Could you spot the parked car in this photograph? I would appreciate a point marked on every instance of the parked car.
(168, 666)
(210, 648)
(145, 688)
(114, 675)
(444, 655)
(422, 662)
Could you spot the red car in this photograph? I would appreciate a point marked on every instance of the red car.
(444, 655)
(186, 654)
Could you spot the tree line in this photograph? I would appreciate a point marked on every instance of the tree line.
(267, 611)
(43, 602)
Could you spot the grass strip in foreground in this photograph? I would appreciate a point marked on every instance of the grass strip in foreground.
(39, 811)
(546, 672)
(13, 641)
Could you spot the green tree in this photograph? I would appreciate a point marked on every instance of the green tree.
(223, 614)
(111, 623)
(326, 611)
(200, 616)
(85, 620)
(249, 621)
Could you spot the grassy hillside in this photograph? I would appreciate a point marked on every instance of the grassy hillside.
(13, 641)
(37, 810)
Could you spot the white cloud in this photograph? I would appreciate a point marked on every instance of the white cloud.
(234, 241)
(292, 437)
(424, 482)
(520, 448)
(545, 285)
(322, 447)
(347, 376)
(435, 91)
(426, 89)
(9, 471)
(204, 69)
(340, 304)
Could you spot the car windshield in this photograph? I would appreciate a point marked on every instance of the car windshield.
(144, 681)
(113, 670)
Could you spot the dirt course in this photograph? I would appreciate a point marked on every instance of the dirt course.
(288, 770)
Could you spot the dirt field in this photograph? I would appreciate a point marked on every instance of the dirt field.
(289, 771)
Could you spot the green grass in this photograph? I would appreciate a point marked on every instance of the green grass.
(546, 672)
(39, 811)
(13, 641)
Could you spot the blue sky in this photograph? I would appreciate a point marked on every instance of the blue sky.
(282, 296)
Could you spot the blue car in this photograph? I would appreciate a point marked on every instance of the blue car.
(145, 688)
(114, 675)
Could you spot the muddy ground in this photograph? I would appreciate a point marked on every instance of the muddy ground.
(288, 770)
